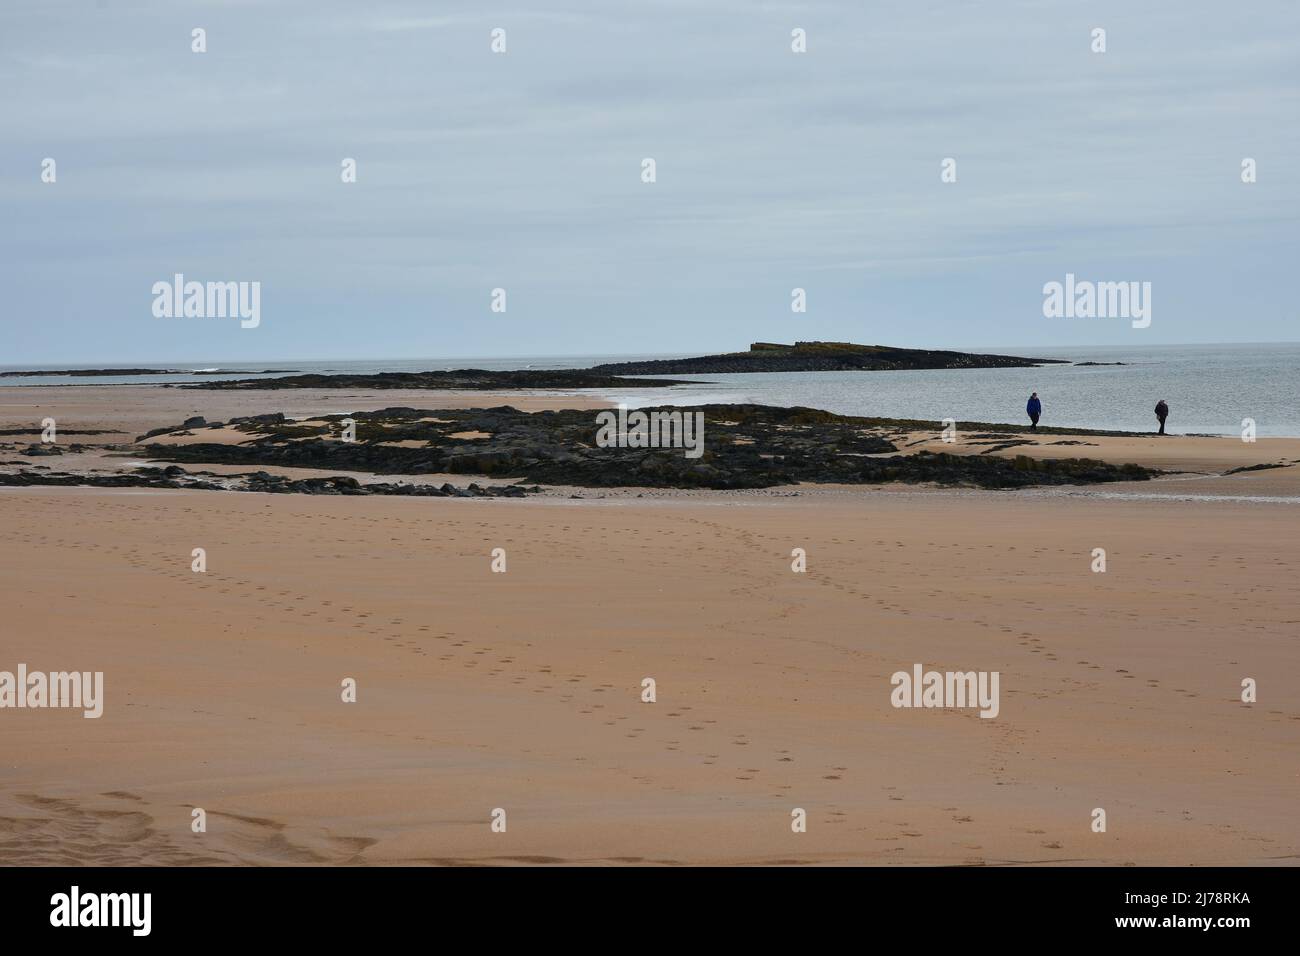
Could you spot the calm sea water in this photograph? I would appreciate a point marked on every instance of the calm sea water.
(1209, 388)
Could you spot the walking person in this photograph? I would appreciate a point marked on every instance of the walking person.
(1162, 412)
(1034, 409)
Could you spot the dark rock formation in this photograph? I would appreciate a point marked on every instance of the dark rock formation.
(178, 478)
(464, 378)
(1264, 466)
(819, 357)
(745, 446)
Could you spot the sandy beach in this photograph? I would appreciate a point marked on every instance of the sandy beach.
(523, 690)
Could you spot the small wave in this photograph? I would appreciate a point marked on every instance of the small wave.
(1170, 496)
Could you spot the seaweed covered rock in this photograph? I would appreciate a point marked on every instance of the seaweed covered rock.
(735, 446)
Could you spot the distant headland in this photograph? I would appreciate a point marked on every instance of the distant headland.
(457, 379)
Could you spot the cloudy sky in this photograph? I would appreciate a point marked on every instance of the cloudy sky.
(775, 170)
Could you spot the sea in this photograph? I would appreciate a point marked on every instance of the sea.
(1210, 389)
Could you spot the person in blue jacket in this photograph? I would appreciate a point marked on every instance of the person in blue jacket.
(1034, 408)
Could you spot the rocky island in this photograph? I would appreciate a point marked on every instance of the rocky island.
(821, 357)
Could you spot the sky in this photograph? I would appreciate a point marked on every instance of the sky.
(522, 171)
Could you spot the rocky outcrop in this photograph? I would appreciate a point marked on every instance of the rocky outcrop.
(744, 446)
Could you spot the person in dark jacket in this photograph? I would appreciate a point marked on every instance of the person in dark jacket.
(1162, 412)
(1034, 408)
